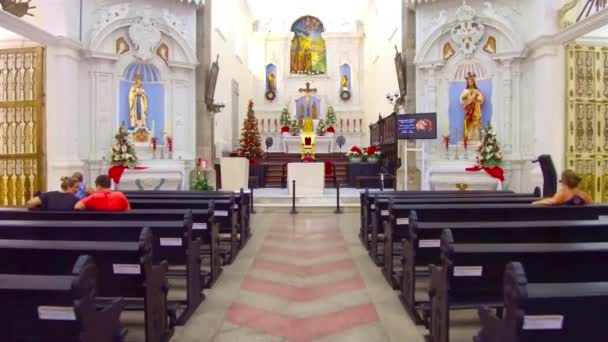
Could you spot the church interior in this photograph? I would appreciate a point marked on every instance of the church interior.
(303, 170)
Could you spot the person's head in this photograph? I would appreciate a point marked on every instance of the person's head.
(69, 184)
(570, 179)
(78, 176)
(103, 182)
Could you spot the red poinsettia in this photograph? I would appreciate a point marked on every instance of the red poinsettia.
(371, 150)
(331, 130)
(285, 129)
(356, 150)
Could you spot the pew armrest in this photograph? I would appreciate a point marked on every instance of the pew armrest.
(492, 327)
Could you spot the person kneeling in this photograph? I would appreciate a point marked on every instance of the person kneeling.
(104, 199)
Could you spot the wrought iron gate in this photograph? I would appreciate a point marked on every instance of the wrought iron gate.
(21, 126)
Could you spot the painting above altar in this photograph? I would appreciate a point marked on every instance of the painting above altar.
(308, 53)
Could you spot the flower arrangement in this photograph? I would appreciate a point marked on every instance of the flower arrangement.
(372, 152)
(355, 153)
(123, 152)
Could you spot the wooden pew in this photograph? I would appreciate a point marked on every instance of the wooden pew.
(368, 204)
(381, 215)
(404, 219)
(242, 200)
(58, 307)
(471, 275)
(126, 270)
(556, 312)
(203, 224)
(171, 239)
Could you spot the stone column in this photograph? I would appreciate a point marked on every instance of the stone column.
(62, 112)
(205, 121)
(408, 45)
(507, 112)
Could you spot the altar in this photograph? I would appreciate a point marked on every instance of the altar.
(154, 175)
(309, 177)
(324, 144)
(447, 174)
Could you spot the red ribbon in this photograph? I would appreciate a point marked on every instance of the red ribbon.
(115, 172)
(494, 172)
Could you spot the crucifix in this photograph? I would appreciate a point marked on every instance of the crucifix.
(307, 111)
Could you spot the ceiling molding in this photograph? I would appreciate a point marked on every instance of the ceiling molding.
(581, 28)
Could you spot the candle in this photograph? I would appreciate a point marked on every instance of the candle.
(168, 128)
(204, 164)
(153, 134)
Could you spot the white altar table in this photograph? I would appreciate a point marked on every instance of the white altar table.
(325, 144)
(445, 175)
(154, 177)
(309, 177)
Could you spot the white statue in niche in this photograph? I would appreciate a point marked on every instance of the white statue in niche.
(145, 35)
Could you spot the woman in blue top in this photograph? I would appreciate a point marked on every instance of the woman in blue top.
(83, 190)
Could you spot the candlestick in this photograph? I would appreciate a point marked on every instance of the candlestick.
(168, 128)
(153, 135)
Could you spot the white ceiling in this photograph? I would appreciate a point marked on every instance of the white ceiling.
(323, 9)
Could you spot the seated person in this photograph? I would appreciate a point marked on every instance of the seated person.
(104, 199)
(83, 189)
(63, 200)
(568, 194)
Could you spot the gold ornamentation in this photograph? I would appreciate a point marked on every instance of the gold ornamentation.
(122, 46)
(141, 135)
(563, 12)
(448, 52)
(21, 166)
(17, 8)
(490, 46)
(462, 186)
(163, 52)
(307, 144)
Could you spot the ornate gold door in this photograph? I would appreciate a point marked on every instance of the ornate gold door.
(587, 117)
(21, 126)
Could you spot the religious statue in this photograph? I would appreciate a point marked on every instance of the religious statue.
(271, 82)
(138, 104)
(344, 82)
(472, 99)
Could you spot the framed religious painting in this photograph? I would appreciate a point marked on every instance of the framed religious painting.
(401, 72)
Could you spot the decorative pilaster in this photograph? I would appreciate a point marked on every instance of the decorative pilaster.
(507, 110)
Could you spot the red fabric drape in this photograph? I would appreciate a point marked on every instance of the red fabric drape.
(115, 172)
(329, 170)
(495, 172)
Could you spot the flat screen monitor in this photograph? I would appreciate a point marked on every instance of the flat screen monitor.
(417, 126)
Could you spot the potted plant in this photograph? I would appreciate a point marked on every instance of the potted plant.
(294, 129)
(355, 155)
(285, 120)
(373, 155)
(330, 120)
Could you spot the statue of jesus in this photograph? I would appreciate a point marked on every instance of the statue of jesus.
(138, 104)
(472, 99)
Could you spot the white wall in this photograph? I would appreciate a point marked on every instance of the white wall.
(232, 25)
(383, 32)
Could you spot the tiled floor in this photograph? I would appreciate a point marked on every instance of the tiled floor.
(301, 278)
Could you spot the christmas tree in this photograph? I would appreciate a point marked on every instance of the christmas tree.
(123, 153)
(294, 128)
(321, 128)
(330, 118)
(285, 118)
(488, 153)
(250, 142)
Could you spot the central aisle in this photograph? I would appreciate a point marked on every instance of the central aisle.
(301, 278)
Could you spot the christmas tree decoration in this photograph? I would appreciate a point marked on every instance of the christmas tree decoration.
(250, 142)
(294, 128)
(321, 128)
(123, 152)
(285, 120)
(489, 155)
(330, 118)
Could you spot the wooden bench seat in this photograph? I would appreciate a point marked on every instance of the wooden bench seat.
(171, 239)
(381, 214)
(58, 307)
(472, 274)
(556, 312)
(203, 226)
(125, 269)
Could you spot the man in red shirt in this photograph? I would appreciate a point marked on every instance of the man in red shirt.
(104, 199)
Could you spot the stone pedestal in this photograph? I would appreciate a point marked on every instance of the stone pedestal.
(235, 174)
(309, 177)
